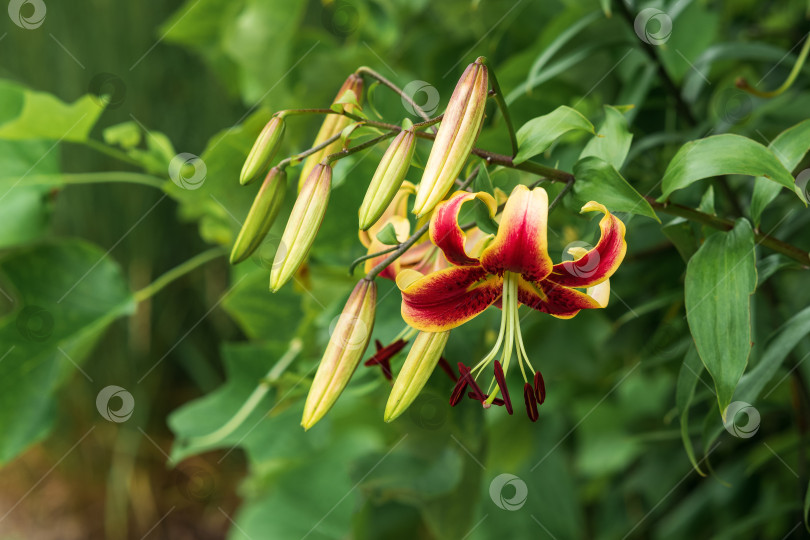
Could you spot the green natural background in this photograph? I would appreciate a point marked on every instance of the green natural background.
(89, 218)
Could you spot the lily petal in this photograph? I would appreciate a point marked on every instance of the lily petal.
(445, 231)
(448, 298)
(554, 299)
(521, 245)
(598, 264)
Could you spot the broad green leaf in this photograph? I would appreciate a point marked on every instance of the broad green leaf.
(778, 348)
(720, 279)
(27, 114)
(65, 295)
(482, 181)
(598, 180)
(684, 392)
(127, 135)
(718, 155)
(770, 265)
(536, 135)
(612, 142)
(790, 146)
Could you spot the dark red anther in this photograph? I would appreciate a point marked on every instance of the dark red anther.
(501, 380)
(531, 402)
(461, 385)
(539, 388)
(445, 365)
(383, 356)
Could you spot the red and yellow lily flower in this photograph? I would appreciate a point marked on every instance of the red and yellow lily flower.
(513, 268)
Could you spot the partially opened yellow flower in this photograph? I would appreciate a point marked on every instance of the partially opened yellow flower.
(513, 268)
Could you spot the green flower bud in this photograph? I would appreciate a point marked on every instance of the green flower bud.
(425, 353)
(388, 177)
(261, 216)
(263, 151)
(458, 131)
(346, 348)
(332, 125)
(305, 220)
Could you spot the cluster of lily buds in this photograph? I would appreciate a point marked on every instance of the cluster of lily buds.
(263, 151)
(261, 216)
(458, 131)
(332, 125)
(346, 347)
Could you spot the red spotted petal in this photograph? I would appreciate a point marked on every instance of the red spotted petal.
(445, 299)
(445, 231)
(598, 264)
(521, 245)
(554, 299)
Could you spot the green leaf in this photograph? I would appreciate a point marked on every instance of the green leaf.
(599, 181)
(127, 135)
(482, 181)
(536, 135)
(790, 147)
(778, 348)
(606, 9)
(718, 155)
(388, 235)
(612, 142)
(685, 391)
(58, 316)
(720, 279)
(27, 114)
(707, 202)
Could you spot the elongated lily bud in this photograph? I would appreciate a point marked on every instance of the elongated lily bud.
(305, 220)
(346, 348)
(458, 131)
(332, 125)
(422, 359)
(263, 151)
(261, 216)
(388, 177)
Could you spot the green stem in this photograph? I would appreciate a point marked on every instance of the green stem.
(742, 83)
(112, 152)
(354, 149)
(284, 163)
(723, 224)
(499, 99)
(177, 272)
(408, 99)
(370, 256)
(252, 401)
